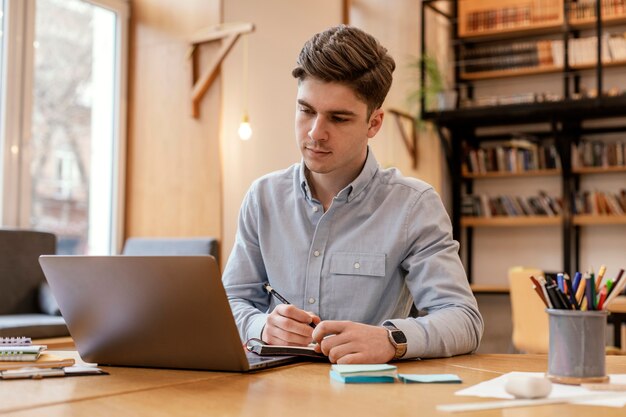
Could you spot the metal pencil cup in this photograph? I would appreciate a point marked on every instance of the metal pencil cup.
(577, 352)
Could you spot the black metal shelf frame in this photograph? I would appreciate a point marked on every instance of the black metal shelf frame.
(564, 118)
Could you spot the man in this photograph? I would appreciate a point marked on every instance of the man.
(350, 245)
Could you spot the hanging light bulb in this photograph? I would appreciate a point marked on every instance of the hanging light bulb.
(245, 130)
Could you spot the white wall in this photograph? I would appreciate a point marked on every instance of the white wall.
(282, 27)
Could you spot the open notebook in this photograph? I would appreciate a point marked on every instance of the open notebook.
(151, 311)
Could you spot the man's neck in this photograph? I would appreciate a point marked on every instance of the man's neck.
(325, 187)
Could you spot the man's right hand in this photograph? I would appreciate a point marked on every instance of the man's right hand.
(289, 326)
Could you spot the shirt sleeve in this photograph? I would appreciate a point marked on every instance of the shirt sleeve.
(245, 273)
(449, 322)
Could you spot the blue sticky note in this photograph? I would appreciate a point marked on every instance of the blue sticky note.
(430, 378)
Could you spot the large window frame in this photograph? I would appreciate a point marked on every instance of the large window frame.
(16, 112)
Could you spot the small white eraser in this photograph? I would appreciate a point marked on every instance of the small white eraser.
(521, 386)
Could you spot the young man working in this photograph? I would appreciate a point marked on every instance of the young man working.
(350, 245)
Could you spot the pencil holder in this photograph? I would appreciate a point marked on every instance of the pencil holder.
(576, 352)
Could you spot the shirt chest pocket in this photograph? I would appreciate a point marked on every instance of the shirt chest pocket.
(363, 264)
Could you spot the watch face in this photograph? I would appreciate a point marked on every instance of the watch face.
(398, 336)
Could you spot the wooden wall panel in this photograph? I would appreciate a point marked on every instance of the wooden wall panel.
(173, 169)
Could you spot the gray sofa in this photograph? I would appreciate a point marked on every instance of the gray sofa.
(27, 307)
(147, 246)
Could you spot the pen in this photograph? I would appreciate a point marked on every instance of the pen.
(576, 283)
(279, 297)
(570, 292)
(542, 283)
(590, 292)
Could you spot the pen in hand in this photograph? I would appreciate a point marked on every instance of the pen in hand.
(279, 297)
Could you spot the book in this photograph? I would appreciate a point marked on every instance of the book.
(45, 360)
(17, 352)
(364, 373)
(263, 349)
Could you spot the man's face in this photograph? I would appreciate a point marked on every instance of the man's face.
(332, 128)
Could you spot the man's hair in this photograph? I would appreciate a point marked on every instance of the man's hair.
(349, 56)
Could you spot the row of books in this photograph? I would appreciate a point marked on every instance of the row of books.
(583, 51)
(595, 153)
(532, 98)
(599, 203)
(516, 155)
(586, 9)
(542, 54)
(511, 56)
(482, 205)
(512, 17)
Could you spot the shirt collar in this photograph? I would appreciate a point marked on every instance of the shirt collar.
(355, 187)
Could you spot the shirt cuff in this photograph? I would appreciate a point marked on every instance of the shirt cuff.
(256, 326)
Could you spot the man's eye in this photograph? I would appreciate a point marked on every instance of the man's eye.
(338, 119)
(306, 110)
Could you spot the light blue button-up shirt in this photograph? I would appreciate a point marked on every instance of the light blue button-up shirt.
(384, 243)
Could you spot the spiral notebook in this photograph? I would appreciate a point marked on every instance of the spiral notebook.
(26, 353)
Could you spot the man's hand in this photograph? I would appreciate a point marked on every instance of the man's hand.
(290, 326)
(350, 342)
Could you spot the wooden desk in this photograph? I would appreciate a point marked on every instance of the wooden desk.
(295, 390)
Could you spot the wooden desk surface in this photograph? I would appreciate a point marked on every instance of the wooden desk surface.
(295, 390)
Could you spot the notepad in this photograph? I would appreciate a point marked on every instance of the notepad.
(364, 373)
(263, 349)
(429, 378)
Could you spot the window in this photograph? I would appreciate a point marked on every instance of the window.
(67, 173)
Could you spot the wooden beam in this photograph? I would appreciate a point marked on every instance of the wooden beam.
(345, 11)
(229, 33)
(410, 141)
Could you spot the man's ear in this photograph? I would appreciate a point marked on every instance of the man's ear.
(376, 121)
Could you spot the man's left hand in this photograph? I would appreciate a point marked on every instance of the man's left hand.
(350, 342)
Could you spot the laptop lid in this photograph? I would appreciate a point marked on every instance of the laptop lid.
(149, 311)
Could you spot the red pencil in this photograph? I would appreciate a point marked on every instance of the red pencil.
(537, 288)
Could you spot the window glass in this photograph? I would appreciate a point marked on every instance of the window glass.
(73, 122)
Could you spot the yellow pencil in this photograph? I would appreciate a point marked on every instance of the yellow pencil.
(601, 273)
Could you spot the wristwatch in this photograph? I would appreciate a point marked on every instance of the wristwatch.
(397, 339)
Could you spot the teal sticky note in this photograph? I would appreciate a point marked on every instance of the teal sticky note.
(429, 378)
(376, 368)
(362, 379)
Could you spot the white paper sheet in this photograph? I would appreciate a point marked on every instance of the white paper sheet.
(494, 388)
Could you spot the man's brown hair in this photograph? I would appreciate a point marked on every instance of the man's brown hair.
(349, 56)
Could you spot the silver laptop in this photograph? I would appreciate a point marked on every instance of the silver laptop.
(150, 311)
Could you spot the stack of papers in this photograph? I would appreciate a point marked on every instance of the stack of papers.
(430, 379)
(363, 374)
(494, 388)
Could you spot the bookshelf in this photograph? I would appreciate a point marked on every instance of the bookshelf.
(542, 42)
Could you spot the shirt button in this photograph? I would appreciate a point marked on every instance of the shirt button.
(316, 253)
(311, 300)
(357, 265)
(315, 209)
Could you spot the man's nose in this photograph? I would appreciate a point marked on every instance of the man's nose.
(318, 129)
